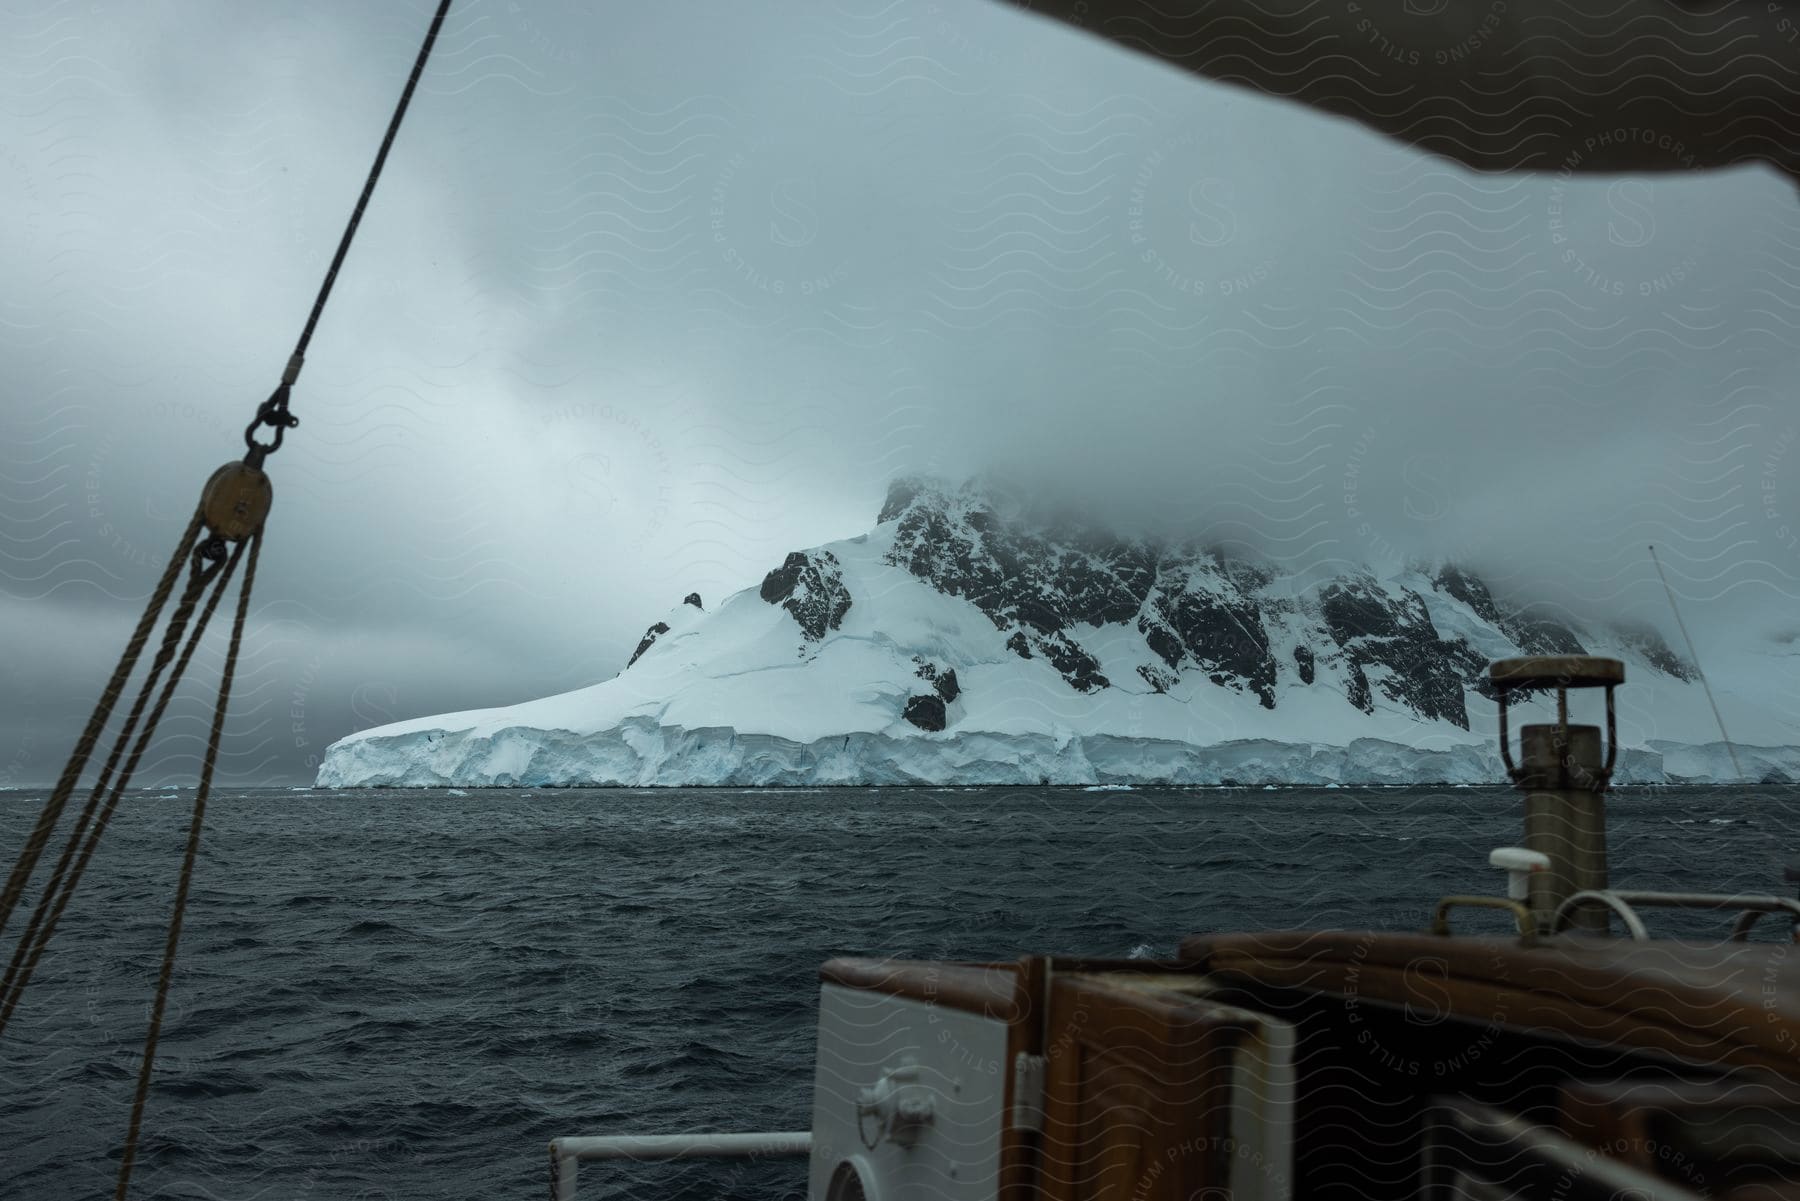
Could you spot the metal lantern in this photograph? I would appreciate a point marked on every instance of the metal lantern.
(1563, 770)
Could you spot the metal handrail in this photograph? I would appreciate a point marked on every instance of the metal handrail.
(566, 1154)
(1634, 925)
(1626, 903)
(1440, 918)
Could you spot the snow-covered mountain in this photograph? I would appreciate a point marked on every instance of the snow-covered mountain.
(960, 643)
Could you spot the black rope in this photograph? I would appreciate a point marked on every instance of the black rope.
(154, 1033)
(51, 905)
(51, 814)
(210, 572)
(23, 953)
(273, 412)
(199, 575)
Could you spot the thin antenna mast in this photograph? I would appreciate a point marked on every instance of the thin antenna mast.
(1682, 626)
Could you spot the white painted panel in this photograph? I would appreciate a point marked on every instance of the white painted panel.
(957, 1068)
(1262, 1111)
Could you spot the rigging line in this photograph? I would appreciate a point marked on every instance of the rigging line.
(30, 938)
(52, 811)
(154, 1033)
(219, 579)
(1698, 670)
(273, 412)
(171, 639)
(368, 190)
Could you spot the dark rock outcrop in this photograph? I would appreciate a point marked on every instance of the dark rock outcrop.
(693, 598)
(900, 494)
(1533, 633)
(943, 679)
(1542, 635)
(1079, 668)
(810, 586)
(1049, 583)
(1190, 617)
(1358, 690)
(925, 711)
(1027, 577)
(650, 636)
(947, 685)
(1648, 643)
(1374, 628)
(1160, 679)
(1034, 583)
(1469, 590)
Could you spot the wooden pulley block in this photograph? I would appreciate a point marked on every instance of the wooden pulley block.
(236, 501)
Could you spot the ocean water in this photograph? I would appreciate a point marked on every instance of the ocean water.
(406, 994)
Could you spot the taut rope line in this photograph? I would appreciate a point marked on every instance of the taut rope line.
(154, 1032)
(50, 906)
(227, 522)
(1698, 670)
(273, 412)
(84, 746)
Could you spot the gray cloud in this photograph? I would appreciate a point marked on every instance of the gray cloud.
(651, 296)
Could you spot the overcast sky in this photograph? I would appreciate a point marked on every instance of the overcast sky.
(653, 294)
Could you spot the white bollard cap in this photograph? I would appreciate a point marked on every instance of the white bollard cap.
(1518, 859)
(1518, 864)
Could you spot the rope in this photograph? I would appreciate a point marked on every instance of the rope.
(51, 905)
(210, 567)
(171, 636)
(1698, 670)
(154, 1033)
(84, 746)
(274, 411)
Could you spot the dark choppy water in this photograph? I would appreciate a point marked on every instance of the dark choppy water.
(407, 994)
